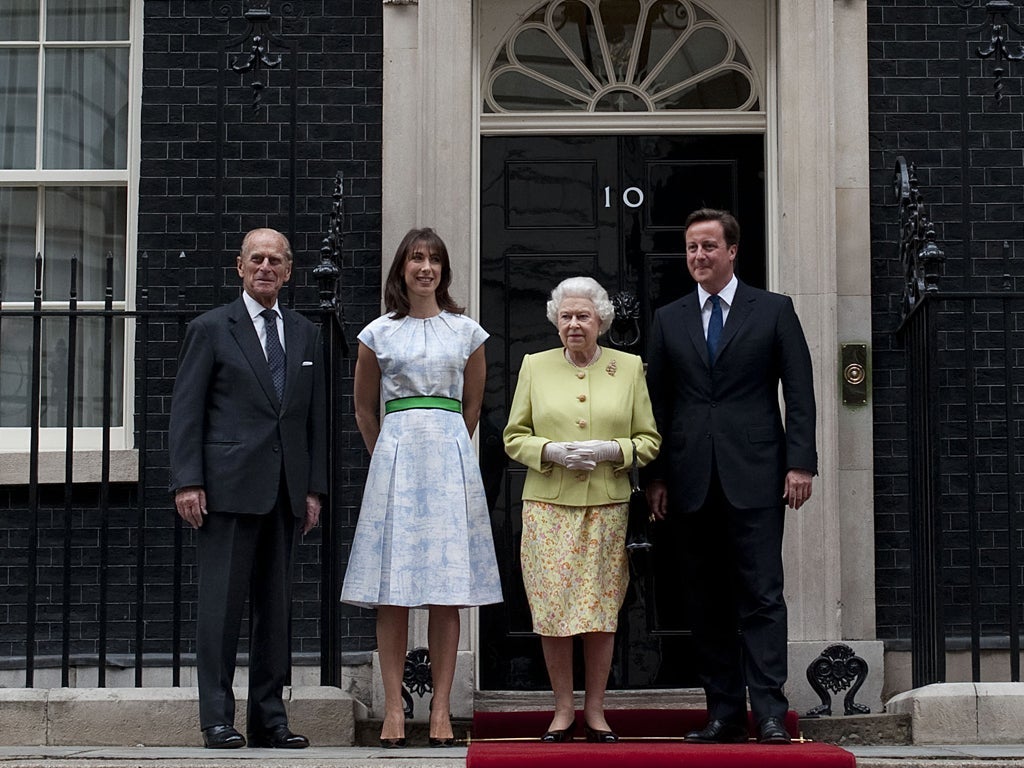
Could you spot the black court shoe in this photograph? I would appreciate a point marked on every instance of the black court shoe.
(559, 737)
(600, 737)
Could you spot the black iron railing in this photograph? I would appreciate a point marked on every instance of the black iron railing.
(146, 618)
(965, 397)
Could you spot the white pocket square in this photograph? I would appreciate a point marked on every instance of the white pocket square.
(306, 362)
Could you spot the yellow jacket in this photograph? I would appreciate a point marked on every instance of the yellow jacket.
(557, 402)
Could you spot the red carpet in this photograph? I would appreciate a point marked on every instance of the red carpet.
(636, 754)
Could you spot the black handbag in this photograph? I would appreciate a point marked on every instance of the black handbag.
(637, 538)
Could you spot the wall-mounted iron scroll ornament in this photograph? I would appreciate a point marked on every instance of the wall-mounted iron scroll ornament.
(625, 330)
(835, 669)
(257, 39)
(417, 678)
(998, 24)
(920, 256)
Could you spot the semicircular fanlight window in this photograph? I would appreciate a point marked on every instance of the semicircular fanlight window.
(620, 56)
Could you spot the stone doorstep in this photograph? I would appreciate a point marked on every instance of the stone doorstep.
(844, 731)
(964, 713)
(154, 716)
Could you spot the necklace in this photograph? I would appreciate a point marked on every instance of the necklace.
(593, 357)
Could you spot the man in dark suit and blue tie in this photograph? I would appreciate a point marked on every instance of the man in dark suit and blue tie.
(248, 462)
(729, 466)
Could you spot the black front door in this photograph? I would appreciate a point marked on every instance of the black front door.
(611, 207)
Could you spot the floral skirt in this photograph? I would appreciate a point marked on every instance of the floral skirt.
(574, 566)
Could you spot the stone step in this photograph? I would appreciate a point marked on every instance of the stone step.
(154, 716)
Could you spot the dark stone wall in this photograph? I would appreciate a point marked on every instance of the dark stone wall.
(915, 111)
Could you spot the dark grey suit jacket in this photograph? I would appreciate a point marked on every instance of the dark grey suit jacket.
(731, 412)
(228, 433)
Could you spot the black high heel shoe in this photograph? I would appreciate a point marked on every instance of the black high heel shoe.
(559, 737)
(600, 737)
(434, 741)
(393, 743)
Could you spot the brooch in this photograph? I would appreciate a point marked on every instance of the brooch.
(610, 368)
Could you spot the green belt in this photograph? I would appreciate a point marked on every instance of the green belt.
(408, 403)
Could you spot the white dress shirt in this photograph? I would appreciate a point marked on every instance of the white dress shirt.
(727, 295)
(260, 324)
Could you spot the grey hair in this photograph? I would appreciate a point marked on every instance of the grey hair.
(582, 288)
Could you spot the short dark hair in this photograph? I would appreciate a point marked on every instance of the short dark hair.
(396, 299)
(730, 227)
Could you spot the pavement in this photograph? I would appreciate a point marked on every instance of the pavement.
(958, 756)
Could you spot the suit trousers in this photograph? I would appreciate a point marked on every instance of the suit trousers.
(735, 575)
(243, 556)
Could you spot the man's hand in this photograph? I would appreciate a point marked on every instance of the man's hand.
(312, 513)
(191, 504)
(657, 498)
(798, 487)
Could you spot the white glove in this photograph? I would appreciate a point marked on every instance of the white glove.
(603, 450)
(555, 452)
(580, 457)
(569, 455)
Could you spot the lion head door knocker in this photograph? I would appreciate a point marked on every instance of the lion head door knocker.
(625, 330)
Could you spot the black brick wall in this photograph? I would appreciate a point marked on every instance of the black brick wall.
(337, 59)
(914, 111)
(338, 128)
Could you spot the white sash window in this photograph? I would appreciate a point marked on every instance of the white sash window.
(68, 178)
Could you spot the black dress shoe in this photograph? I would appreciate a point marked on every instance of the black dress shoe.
(771, 731)
(278, 737)
(393, 743)
(718, 732)
(559, 737)
(435, 742)
(601, 737)
(222, 737)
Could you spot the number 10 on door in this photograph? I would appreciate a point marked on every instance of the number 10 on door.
(632, 197)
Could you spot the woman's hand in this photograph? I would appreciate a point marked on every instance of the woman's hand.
(569, 455)
(602, 450)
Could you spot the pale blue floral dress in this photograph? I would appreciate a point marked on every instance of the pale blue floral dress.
(423, 535)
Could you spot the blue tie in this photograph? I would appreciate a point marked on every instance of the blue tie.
(714, 328)
(275, 352)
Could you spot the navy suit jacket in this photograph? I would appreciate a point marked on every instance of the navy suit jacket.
(730, 413)
(228, 432)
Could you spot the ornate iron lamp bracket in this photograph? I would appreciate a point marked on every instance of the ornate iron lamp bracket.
(920, 256)
(257, 39)
(835, 669)
(998, 50)
(327, 273)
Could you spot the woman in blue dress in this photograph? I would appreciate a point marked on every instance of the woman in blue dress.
(423, 539)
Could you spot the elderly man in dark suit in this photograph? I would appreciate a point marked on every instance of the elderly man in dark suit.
(248, 466)
(729, 466)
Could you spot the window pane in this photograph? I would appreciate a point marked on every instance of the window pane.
(705, 49)
(88, 378)
(518, 91)
(15, 371)
(92, 20)
(88, 221)
(17, 243)
(19, 76)
(19, 20)
(85, 121)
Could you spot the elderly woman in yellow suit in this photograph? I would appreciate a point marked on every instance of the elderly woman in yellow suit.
(578, 413)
